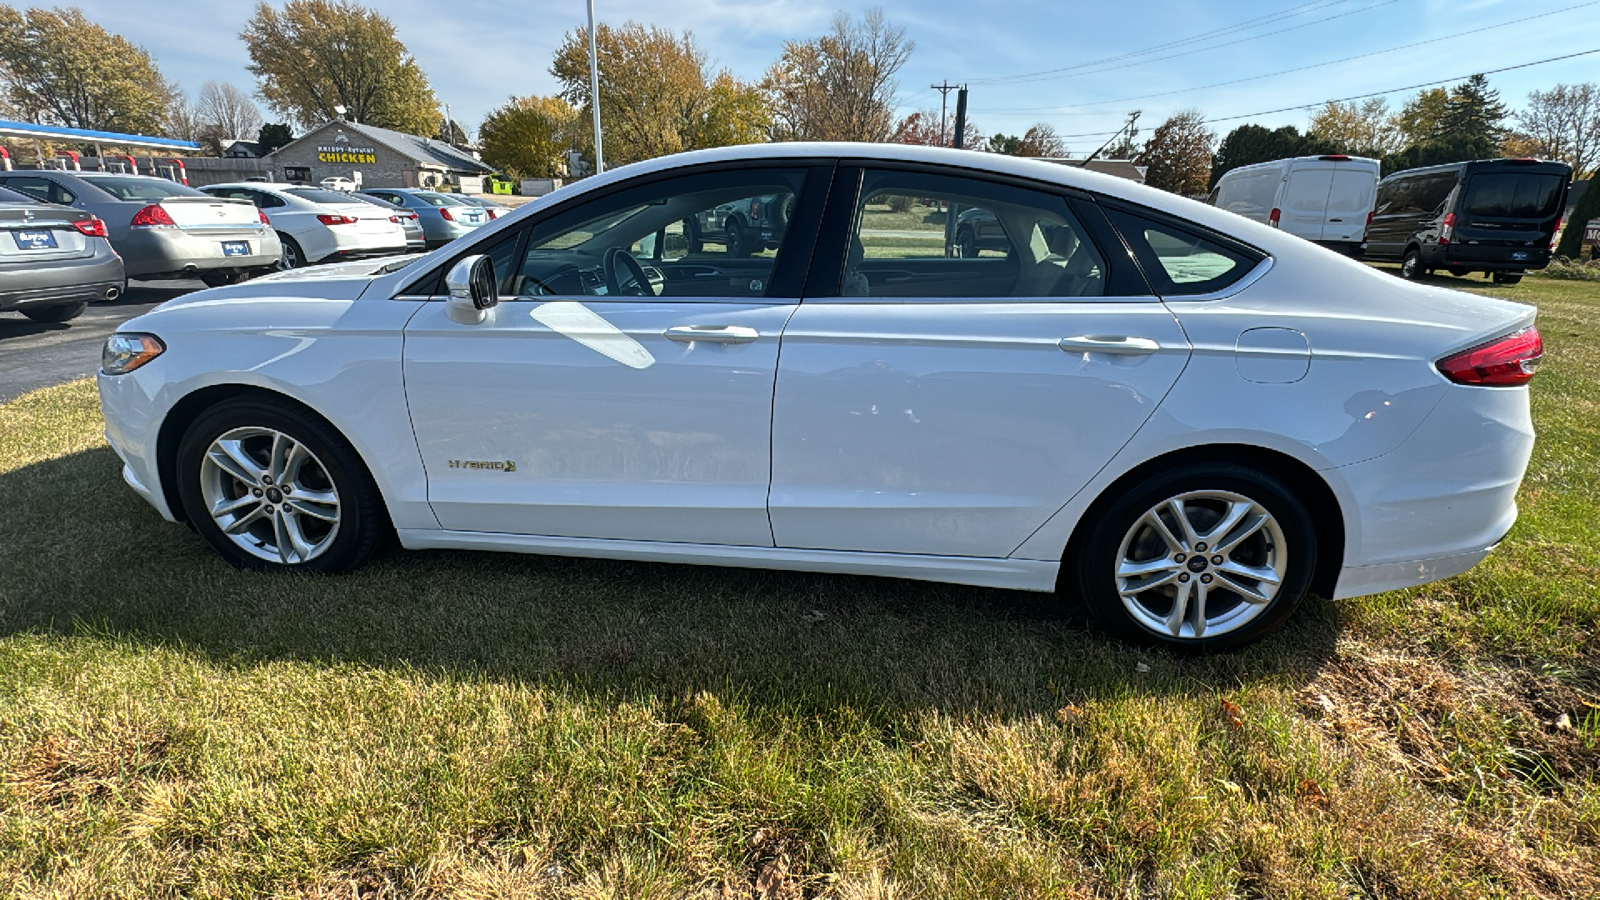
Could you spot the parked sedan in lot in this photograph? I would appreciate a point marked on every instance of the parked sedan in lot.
(318, 225)
(495, 208)
(161, 229)
(410, 223)
(1186, 420)
(444, 217)
(53, 260)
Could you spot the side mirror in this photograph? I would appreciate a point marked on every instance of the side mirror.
(474, 290)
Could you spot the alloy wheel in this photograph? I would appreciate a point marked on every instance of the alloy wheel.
(270, 495)
(1201, 564)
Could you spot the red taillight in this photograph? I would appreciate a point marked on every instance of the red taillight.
(1506, 362)
(395, 219)
(1273, 219)
(152, 216)
(446, 213)
(263, 214)
(1448, 229)
(93, 227)
(337, 220)
(1334, 157)
(493, 214)
(1369, 218)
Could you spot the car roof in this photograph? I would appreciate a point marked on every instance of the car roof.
(1064, 175)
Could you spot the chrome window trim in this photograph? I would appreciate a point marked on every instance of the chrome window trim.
(1251, 277)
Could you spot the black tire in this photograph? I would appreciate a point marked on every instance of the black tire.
(216, 278)
(336, 469)
(61, 312)
(1411, 265)
(292, 257)
(691, 235)
(1507, 277)
(1119, 537)
(738, 244)
(966, 243)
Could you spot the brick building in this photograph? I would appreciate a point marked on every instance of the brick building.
(384, 158)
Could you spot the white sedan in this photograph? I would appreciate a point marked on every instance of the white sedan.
(318, 225)
(1185, 419)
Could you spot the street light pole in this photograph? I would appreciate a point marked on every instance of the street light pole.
(594, 94)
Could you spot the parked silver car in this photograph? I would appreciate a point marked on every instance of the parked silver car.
(444, 217)
(416, 240)
(53, 260)
(162, 229)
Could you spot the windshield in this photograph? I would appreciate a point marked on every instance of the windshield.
(140, 187)
(318, 195)
(1513, 195)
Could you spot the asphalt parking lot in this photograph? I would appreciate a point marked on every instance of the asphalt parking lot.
(35, 355)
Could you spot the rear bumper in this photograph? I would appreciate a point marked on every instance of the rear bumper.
(1441, 501)
(1489, 259)
(172, 252)
(70, 282)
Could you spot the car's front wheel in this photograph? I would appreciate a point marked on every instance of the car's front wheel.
(1207, 556)
(273, 488)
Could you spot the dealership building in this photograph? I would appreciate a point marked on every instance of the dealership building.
(373, 157)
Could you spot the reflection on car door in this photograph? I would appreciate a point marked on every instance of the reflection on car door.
(916, 417)
(574, 412)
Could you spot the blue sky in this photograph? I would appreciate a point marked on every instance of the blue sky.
(477, 53)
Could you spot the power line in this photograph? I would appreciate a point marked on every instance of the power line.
(1411, 87)
(1335, 62)
(1069, 73)
(1226, 29)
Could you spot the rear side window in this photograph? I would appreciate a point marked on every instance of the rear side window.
(1181, 261)
(1512, 195)
(136, 187)
(41, 189)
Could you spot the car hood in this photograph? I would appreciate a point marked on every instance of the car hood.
(339, 281)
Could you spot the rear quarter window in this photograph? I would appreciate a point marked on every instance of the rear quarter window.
(1183, 261)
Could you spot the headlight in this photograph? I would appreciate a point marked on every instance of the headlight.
(125, 352)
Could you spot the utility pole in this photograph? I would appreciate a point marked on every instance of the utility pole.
(944, 92)
(594, 94)
(1125, 129)
(961, 118)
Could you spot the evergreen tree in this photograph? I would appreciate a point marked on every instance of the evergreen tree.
(1474, 110)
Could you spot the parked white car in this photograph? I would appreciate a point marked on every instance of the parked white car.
(1187, 420)
(338, 184)
(1325, 199)
(318, 225)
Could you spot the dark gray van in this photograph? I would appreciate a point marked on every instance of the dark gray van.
(1495, 216)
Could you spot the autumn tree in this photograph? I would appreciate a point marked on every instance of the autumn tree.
(315, 55)
(657, 93)
(1421, 118)
(225, 114)
(529, 136)
(1039, 141)
(1563, 123)
(1178, 154)
(841, 86)
(922, 129)
(1364, 128)
(57, 67)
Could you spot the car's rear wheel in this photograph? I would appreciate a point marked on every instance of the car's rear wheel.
(738, 245)
(220, 279)
(1207, 556)
(291, 257)
(273, 488)
(966, 243)
(1411, 265)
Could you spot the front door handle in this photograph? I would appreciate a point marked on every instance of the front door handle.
(715, 334)
(1119, 346)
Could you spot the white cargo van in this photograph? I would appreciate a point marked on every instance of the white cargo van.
(1324, 199)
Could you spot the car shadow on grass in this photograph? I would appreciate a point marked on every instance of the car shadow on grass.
(85, 555)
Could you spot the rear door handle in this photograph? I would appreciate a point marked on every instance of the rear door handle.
(1335, 220)
(715, 334)
(1118, 346)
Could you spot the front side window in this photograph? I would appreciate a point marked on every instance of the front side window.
(712, 234)
(938, 236)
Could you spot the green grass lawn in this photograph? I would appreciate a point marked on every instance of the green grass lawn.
(459, 725)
